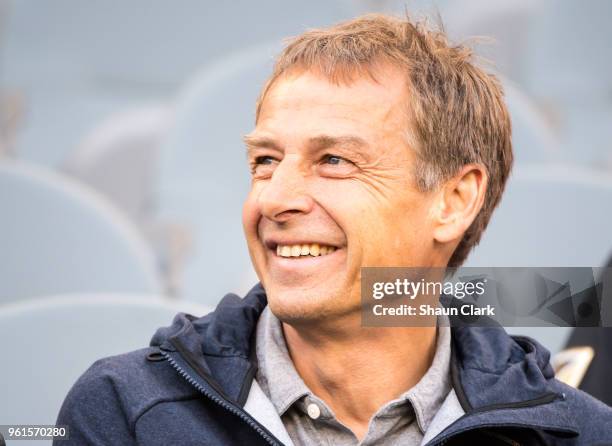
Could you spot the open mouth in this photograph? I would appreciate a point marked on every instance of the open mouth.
(291, 261)
(304, 250)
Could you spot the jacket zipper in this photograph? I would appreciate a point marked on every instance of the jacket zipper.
(231, 408)
(220, 401)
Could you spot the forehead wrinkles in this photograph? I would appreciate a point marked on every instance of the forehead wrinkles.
(362, 99)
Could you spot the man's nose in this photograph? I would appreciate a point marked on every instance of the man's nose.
(286, 194)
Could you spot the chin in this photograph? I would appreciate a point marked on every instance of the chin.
(294, 305)
(303, 306)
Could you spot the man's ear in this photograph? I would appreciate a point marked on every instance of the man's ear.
(458, 203)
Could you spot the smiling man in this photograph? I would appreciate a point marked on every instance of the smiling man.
(376, 143)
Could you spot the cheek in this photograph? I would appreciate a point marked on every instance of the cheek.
(379, 227)
(360, 221)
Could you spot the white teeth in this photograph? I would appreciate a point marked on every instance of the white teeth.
(313, 250)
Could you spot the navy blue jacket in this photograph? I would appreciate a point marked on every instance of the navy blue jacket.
(190, 386)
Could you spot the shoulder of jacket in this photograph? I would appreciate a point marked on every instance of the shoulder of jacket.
(132, 382)
(592, 416)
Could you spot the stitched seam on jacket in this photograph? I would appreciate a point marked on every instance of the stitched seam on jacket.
(161, 401)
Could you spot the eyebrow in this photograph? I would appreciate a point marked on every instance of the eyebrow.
(319, 142)
(323, 142)
(260, 141)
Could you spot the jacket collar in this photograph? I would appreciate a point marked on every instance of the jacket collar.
(506, 380)
(498, 379)
(219, 345)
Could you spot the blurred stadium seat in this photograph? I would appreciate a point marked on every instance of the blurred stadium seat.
(119, 158)
(59, 237)
(204, 176)
(549, 216)
(533, 137)
(570, 40)
(80, 72)
(502, 27)
(567, 65)
(54, 339)
(554, 215)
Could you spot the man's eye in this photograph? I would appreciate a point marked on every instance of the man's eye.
(262, 166)
(333, 159)
(264, 160)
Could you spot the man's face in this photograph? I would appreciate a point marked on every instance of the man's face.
(332, 172)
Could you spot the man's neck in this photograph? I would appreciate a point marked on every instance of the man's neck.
(357, 373)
